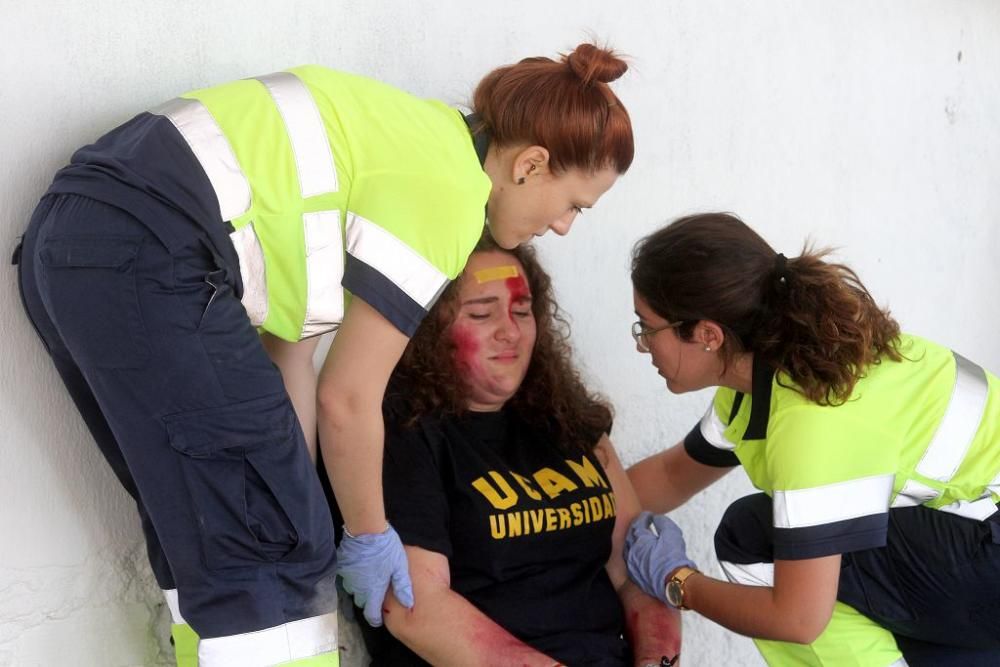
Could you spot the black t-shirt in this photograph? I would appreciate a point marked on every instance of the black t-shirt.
(526, 528)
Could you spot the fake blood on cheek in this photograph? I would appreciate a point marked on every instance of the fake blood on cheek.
(466, 347)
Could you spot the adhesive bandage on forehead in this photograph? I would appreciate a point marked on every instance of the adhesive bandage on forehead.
(496, 273)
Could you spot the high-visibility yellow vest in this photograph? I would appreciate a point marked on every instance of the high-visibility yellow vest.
(921, 431)
(334, 185)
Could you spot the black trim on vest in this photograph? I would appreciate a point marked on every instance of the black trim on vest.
(760, 408)
(704, 452)
(737, 402)
(481, 137)
(839, 537)
(385, 296)
(746, 534)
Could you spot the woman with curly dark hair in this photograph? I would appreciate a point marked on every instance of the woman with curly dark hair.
(876, 538)
(503, 485)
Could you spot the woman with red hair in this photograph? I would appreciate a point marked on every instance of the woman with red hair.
(181, 269)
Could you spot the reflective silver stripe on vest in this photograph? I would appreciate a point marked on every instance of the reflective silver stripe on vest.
(980, 509)
(300, 639)
(914, 493)
(306, 133)
(173, 604)
(324, 272)
(252, 269)
(712, 429)
(395, 260)
(749, 574)
(953, 437)
(210, 146)
(317, 174)
(841, 501)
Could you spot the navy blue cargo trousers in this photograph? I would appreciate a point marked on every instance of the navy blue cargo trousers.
(935, 585)
(171, 378)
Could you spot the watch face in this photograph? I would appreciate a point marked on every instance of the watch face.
(675, 593)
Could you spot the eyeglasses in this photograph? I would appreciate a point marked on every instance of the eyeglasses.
(641, 336)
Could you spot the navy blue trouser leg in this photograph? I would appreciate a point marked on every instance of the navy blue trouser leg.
(935, 586)
(83, 398)
(189, 411)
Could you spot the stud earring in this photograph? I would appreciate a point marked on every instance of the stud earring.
(708, 348)
(520, 181)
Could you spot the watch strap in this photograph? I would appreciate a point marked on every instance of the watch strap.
(678, 579)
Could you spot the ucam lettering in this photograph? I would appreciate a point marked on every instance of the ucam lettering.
(587, 473)
(553, 483)
(526, 485)
(501, 494)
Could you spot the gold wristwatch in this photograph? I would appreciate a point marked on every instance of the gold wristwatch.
(675, 586)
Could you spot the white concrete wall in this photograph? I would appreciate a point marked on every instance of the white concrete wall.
(869, 126)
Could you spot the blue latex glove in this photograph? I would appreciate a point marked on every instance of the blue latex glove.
(367, 564)
(654, 547)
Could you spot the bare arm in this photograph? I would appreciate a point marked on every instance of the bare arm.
(295, 361)
(446, 629)
(799, 605)
(654, 630)
(667, 480)
(351, 386)
(797, 609)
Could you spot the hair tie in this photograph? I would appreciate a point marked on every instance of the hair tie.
(781, 268)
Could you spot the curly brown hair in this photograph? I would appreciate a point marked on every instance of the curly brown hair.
(552, 395)
(808, 318)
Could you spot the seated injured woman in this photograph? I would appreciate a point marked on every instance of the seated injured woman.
(506, 491)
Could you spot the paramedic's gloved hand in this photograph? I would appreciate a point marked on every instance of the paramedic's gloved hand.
(368, 564)
(654, 547)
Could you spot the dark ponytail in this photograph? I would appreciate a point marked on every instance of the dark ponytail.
(812, 320)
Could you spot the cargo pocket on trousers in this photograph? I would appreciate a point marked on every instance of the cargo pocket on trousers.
(871, 583)
(250, 481)
(91, 286)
